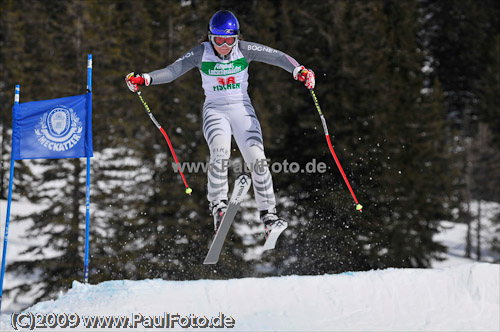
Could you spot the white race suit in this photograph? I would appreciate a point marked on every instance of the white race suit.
(228, 111)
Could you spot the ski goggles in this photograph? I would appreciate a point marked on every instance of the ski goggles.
(224, 40)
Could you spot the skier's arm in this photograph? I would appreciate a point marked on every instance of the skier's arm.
(261, 53)
(181, 66)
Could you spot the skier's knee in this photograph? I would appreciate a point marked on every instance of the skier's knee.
(219, 153)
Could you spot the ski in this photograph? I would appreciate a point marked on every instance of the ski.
(276, 229)
(241, 186)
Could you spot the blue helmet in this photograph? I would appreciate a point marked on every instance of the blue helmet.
(224, 23)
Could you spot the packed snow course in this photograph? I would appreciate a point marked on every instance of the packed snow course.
(458, 298)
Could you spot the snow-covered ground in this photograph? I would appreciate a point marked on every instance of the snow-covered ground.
(453, 236)
(457, 294)
(460, 298)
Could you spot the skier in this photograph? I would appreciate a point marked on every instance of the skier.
(223, 60)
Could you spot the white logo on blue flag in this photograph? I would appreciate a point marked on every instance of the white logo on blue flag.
(53, 128)
(59, 129)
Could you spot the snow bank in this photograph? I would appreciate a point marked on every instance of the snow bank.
(465, 297)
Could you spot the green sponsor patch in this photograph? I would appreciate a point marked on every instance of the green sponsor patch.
(222, 69)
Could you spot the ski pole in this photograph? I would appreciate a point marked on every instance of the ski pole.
(359, 207)
(188, 190)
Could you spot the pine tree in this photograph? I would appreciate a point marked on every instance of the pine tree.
(490, 85)
(459, 38)
(386, 138)
(490, 117)
(12, 39)
(60, 187)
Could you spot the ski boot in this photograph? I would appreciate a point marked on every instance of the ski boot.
(218, 209)
(272, 222)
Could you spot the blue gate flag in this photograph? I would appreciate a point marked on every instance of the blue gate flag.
(53, 129)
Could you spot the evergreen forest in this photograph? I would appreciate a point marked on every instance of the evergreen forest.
(409, 89)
